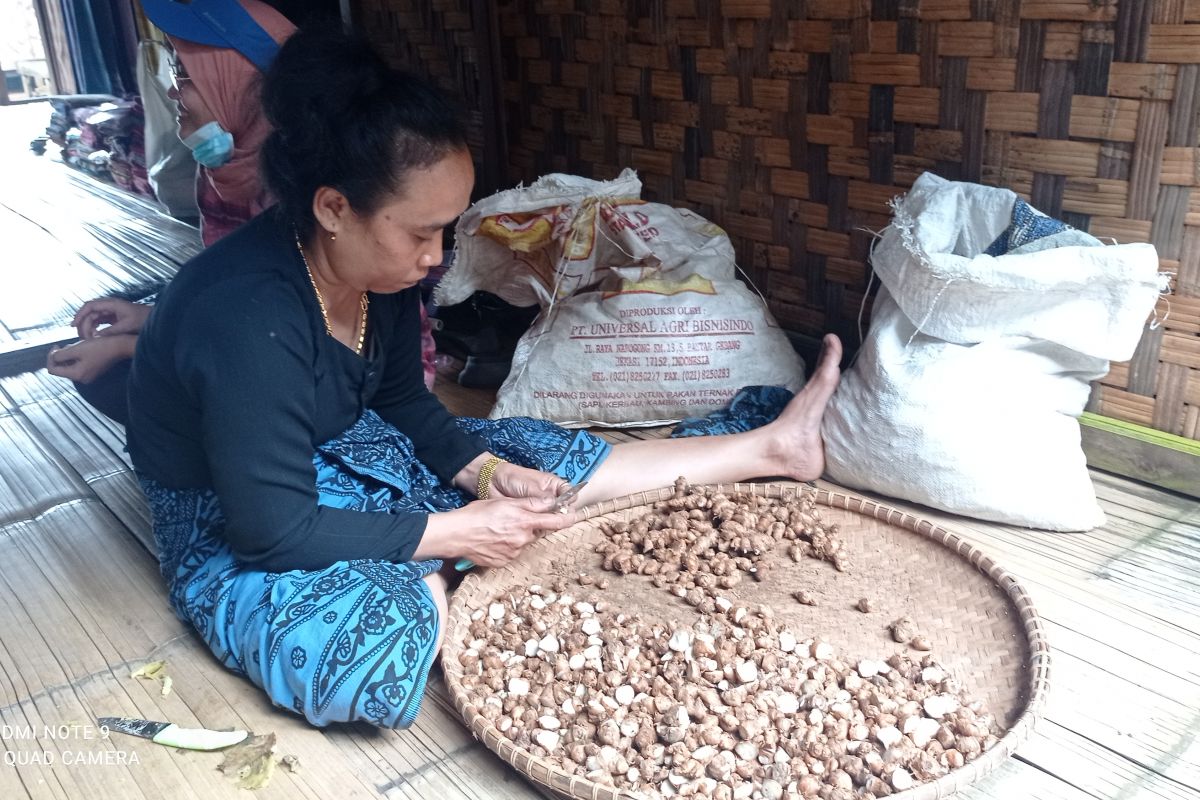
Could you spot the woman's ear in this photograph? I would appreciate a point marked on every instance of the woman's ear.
(331, 210)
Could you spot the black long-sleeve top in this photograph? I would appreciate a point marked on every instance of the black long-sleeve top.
(236, 382)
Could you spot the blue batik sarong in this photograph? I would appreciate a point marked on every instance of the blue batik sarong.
(353, 641)
(752, 407)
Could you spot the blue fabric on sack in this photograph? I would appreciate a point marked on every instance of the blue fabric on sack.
(1031, 231)
(354, 641)
(752, 407)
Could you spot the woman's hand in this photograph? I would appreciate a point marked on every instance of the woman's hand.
(121, 317)
(489, 532)
(85, 361)
(512, 480)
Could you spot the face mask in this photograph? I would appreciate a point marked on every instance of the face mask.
(211, 145)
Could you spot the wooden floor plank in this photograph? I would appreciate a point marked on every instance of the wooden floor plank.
(1094, 769)
(1139, 724)
(94, 446)
(31, 351)
(1141, 453)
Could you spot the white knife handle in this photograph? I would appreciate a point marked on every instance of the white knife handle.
(198, 738)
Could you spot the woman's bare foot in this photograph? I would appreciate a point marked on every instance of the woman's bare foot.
(796, 443)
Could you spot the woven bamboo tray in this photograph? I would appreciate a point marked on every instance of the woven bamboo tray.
(980, 620)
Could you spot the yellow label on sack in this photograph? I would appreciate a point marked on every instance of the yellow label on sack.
(693, 283)
(524, 232)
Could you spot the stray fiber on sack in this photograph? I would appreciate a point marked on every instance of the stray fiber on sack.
(990, 324)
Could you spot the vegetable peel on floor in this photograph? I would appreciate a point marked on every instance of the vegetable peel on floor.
(155, 671)
(251, 763)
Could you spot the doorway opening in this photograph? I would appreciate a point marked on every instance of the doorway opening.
(24, 64)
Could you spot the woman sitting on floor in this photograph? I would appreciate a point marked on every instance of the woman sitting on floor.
(305, 485)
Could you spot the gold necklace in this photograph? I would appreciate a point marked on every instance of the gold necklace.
(363, 302)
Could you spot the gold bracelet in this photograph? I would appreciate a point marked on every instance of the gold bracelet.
(484, 487)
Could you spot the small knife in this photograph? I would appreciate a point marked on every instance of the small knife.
(560, 505)
(563, 500)
(170, 734)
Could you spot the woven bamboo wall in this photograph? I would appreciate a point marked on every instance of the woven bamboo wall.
(792, 123)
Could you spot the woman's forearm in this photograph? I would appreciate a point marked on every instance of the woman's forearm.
(128, 344)
(467, 478)
(438, 539)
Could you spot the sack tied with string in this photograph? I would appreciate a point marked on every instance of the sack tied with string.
(991, 322)
(643, 319)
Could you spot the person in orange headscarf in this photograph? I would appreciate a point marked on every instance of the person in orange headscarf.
(220, 116)
(221, 49)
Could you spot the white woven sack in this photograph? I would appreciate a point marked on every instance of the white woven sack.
(985, 430)
(643, 321)
(539, 243)
(965, 394)
(674, 356)
(1091, 299)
